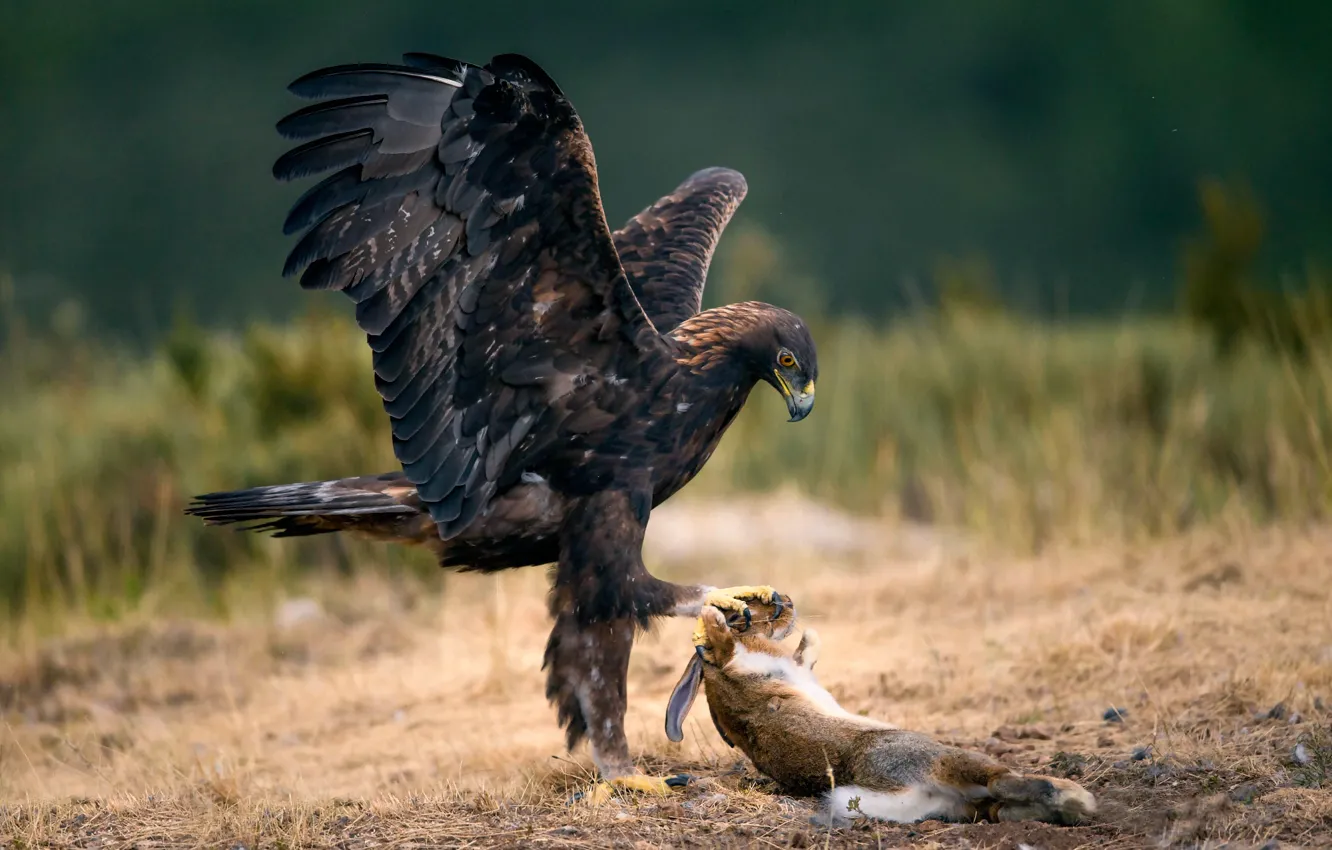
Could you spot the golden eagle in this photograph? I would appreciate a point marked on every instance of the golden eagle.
(548, 381)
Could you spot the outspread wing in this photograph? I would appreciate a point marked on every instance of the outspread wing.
(464, 219)
(666, 249)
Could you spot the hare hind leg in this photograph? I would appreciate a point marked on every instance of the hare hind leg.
(1019, 796)
(908, 804)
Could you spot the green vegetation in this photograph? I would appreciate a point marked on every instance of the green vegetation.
(1022, 432)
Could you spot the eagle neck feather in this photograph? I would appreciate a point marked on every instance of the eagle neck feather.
(720, 341)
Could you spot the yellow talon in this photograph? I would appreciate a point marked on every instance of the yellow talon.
(700, 633)
(643, 784)
(655, 786)
(732, 598)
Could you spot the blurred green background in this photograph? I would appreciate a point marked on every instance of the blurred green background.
(1062, 141)
(1066, 264)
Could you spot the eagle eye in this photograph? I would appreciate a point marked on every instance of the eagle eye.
(786, 360)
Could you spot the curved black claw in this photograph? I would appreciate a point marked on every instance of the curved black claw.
(733, 620)
(777, 606)
(679, 780)
(702, 653)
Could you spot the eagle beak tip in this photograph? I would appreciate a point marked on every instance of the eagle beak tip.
(799, 406)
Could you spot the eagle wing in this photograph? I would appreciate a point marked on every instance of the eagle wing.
(666, 249)
(465, 221)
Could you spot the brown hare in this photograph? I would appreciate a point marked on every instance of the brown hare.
(765, 700)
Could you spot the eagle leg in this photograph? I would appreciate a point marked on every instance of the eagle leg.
(601, 595)
(588, 666)
(587, 670)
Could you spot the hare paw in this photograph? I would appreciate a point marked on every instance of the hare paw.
(1043, 798)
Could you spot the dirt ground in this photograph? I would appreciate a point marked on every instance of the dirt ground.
(373, 714)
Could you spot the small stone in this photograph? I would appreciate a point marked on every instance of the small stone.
(1244, 793)
(1114, 714)
(1295, 717)
(1141, 753)
(1301, 754)
(1318, 704)
(1277, 711)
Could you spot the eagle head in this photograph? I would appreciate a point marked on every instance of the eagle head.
(781, 352)
(755, 342)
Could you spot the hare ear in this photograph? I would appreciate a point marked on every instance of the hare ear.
(682, 698)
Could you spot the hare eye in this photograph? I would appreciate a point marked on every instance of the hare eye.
(786, 360)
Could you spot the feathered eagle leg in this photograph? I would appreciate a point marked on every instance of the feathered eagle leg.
(601, 595)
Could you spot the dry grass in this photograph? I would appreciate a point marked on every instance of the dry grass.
(394, 714)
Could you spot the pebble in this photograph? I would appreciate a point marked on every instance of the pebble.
(1114, 714)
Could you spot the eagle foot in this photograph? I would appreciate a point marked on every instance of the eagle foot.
(641, 783)
(732, 601)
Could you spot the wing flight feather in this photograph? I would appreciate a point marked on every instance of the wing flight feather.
(667, 248)
(463, 218)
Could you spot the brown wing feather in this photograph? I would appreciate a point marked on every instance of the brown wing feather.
(466, 223)
(666, 249)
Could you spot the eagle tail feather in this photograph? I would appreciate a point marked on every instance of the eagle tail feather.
(381, 506)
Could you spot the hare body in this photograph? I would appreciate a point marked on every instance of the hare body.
(765, 701)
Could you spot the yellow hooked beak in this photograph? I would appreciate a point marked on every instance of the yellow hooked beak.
(798, 404)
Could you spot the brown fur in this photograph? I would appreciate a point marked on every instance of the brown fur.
(765, 701)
